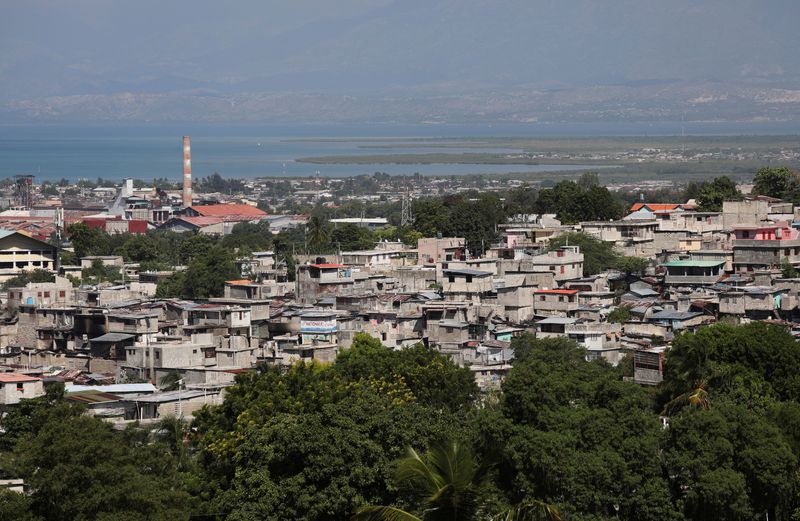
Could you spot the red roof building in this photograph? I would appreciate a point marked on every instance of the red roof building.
(8, 378)
(658, 207)
(236, 212)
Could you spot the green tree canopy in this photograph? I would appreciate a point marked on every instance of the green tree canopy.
(78, 467)
(713, 193)
(573, 202)
(206, 274)
(88, 241)
(316, 441)
(780, 182)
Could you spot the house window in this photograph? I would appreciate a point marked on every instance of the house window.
(157, 355)
(562, 269)
(561, 299)
(47, 293)
(469, 278)
(541, 297)
(20, 387)
(194, 351)
(451, 278)
(745, 234)
(552, 268)
(62, 294)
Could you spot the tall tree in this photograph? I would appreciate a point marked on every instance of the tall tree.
(780, 182)
(712, 194)
(317, 234)
(87, 240)
(206, 274)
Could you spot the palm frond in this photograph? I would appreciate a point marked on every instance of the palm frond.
(533, 510)
(377, 513)
(697, 397)
(415, 469)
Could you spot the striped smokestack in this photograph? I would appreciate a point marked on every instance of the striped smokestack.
(187, 171)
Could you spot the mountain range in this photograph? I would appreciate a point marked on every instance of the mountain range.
(399, 60)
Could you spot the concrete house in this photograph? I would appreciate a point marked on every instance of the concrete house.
(436, 250)
(678, 320)
(322, 280)
(600, 339)
(566, 263)
(754, 302)
(465, 284)
(15, 387)
(369, 258)
(765, 246)
(557, 302)
(553, 326)
(693, 272)
(630, 237)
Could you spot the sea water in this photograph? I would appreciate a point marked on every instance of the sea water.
(52, 152)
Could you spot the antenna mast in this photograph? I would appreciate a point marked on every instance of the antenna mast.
(406, 217)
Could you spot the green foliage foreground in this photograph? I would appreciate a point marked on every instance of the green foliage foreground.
(322, 442)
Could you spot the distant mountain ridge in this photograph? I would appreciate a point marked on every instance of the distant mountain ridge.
(652, 101)
(390, 59)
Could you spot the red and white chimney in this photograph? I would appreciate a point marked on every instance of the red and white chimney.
(187, 171)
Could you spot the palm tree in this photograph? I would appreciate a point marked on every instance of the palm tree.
(173, 433)
(696, 397)
(316, 232)
(170, 381)
(446, 479)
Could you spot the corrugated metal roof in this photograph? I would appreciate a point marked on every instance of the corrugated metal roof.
(557, 291)
(468, 271)
(8, 378)
(694, 263)
(222, 210)
(172, 396)
(113, 388)
(557, 320)
(93, 397)
(674, 315)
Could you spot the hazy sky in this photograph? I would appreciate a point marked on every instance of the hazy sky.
(69, 47)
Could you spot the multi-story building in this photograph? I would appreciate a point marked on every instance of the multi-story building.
(693, 272)
(465, 284)
(19, 252)
(566, 263)
(323, 279)
(435, 250)
(557, 302)
(766, 246)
